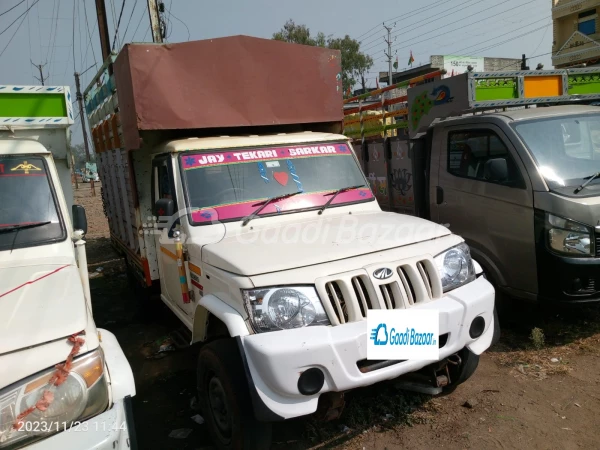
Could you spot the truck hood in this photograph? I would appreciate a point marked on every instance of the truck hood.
(38, 304)
(299, 244)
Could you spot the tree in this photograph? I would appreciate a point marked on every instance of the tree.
(79, 155)
(355, 64)
(299, 34)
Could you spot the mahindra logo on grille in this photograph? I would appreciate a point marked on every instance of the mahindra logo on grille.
(383, 274)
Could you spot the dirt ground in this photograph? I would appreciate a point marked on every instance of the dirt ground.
(520, 397)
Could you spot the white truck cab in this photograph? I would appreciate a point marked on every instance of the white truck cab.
(251, 218)
(63, 382)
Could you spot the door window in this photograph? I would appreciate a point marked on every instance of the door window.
(469, 151)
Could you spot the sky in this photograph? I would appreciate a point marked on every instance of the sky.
(56, 33)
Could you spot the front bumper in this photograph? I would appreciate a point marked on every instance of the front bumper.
(568, 280)
(276, 360)
(107, 431)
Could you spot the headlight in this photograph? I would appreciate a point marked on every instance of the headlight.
(284, 308)
(455, 267)
(82, 395)
(568, 237)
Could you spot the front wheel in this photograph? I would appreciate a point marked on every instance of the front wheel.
(225, 401)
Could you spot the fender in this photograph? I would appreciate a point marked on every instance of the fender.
(489, 267)
(232, 319)
(120, 374)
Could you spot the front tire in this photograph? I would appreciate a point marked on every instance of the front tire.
(225, 401)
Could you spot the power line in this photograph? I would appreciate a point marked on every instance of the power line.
(79, 37)
(146, 33)
(29, 36)
(511, 39)
(87, 26)
(441, 13)
(482, 25)
(73, 41)
(130, 17)
(454, 29)
(179, 20)
(13, 22)
(140, 21)
(16, 31)
(118, 25)
(53, 47)
(10, 9)
(542, 40)
(404, 17)
(504, 34)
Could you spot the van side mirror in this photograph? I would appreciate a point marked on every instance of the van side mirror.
(496, 169)
(79, 218)
(164, 207)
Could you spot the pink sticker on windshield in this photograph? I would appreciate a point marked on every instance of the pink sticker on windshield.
(241, 156)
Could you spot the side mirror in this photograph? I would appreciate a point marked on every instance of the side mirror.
(79, 218)
(164, 207)
(496, 169)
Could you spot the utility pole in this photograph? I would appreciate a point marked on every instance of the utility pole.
(154, 10)
(103, 32)
(388, 54)
(82, 118)
(39, 67)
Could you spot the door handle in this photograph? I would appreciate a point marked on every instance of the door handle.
(439, 195)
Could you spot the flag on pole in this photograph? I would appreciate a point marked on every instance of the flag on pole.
(411, 59)
(396, 63)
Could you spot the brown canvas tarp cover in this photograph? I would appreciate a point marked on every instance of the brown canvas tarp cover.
(236, 81)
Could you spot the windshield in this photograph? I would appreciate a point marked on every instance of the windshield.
(26, 198)
(566, 149)
(233, 184)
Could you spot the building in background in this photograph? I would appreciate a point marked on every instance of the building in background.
(576, 33)
(454, 65)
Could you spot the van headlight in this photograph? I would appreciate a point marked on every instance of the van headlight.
(455, 266)
(284, 308)
(568, 237)
(82, 395)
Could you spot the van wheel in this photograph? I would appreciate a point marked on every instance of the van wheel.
(225, 401)
(460, 374)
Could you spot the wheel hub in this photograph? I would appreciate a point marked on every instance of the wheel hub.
(218, 405)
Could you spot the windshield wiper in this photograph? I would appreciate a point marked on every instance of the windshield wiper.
(22, 226)
(589, 180)
(334, 194)
(266, 203)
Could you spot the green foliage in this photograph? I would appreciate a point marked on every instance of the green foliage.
(355, 64)
(78, 151)
(537, 338)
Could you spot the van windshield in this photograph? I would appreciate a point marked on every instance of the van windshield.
(566, 149)
(230, 185)
(28, 211)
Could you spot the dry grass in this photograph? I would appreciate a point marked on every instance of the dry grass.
(547, 361)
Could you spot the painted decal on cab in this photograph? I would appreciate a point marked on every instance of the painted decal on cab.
(212, 159)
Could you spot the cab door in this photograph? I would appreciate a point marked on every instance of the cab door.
(163, 183)
(483, 193)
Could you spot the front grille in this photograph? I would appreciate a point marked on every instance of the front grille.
(598, 246)
(347, 297)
